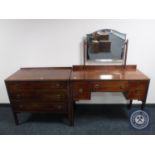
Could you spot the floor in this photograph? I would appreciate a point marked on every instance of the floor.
(89, 120)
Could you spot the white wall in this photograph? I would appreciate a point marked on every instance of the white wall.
(31, 43)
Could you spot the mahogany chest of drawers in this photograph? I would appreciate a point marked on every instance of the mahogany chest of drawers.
(40, 90)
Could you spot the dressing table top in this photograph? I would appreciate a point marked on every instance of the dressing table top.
(130, 72)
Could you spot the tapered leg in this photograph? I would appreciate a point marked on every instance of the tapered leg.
(71, 118)
(71, 121)
(15, 118)
(71, 114)
(144, 101)
(143, 105)
(130, 104)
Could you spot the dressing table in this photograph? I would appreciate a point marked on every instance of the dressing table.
(105, 69)
(128, 80)
(56, 89)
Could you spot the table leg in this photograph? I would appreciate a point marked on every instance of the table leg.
(143, 105)
(15, 118)
(71, 119)
(71, 114)
(130, 104)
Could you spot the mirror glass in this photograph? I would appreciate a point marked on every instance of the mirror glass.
(105, 45)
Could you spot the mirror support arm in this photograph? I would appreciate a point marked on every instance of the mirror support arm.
(85, 50)
(126, 52)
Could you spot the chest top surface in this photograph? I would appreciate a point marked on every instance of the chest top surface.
(39, 74)
(130, 72)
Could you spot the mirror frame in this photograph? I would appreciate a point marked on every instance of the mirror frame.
(104, 61)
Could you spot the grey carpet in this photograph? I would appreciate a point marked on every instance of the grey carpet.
(89, 120)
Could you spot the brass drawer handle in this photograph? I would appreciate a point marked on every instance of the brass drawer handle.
(97, 85)
(18, 96)
(121, 87)
(20, 106)
(138, 92)
(81, 90)
(59, 107)
(57, 85)
(59, 96)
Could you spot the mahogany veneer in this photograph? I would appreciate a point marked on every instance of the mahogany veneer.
(54, 90)
(127, 79)
(40, 90)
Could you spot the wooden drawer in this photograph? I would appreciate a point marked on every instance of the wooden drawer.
(40, 96)
(138, 85)
(137, 90)
(34, 106)
(81, 90)
(136, 94)
(109, 86)
(36, 86)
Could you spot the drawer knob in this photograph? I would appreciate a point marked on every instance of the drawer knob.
(59, 107)
(81, 90)
(18, 96)
(121, 87)
(57, 85)
(21, 106)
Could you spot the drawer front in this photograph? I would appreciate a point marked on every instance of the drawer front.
(137, 95)
(33, 106)
(81, 90)
(110, 86)
(36, 86)
(138, 85)
(137, 90)
(40, 96)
